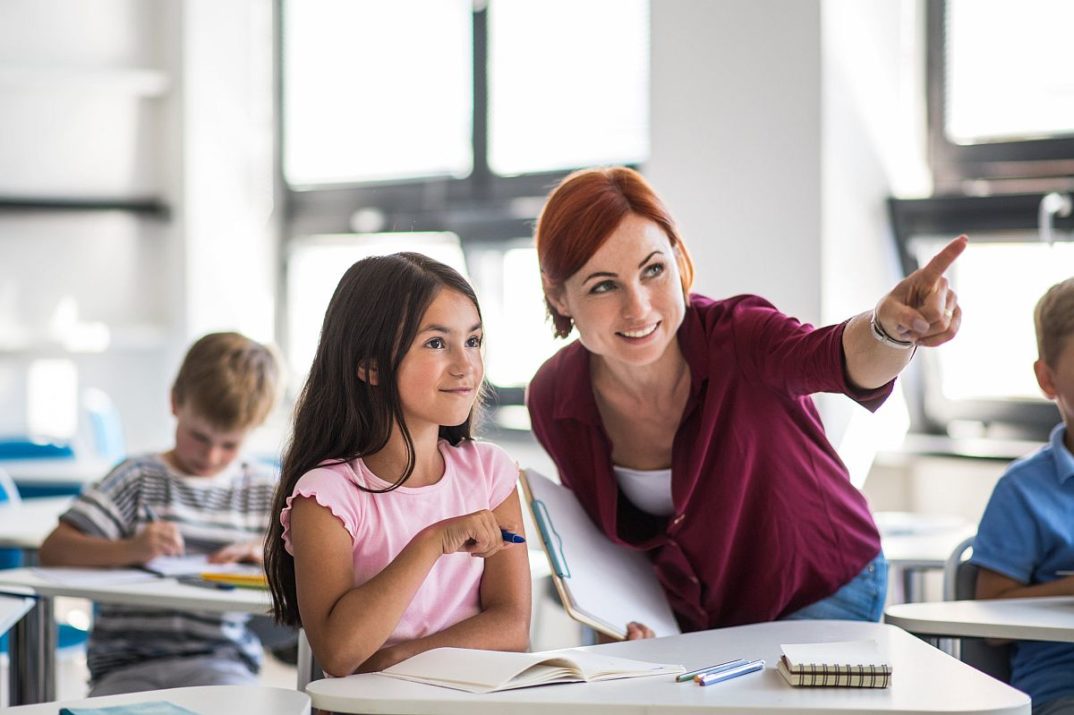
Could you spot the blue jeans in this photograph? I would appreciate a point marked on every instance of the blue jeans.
(861, 599)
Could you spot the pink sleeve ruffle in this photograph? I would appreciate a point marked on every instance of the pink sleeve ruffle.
(314, 491)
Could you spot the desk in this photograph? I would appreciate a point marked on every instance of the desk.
(25, 524)
(1034, 619)
(12, 608)
(925, 680)
(206, 700)
(75, 473)
(33, 639)
(915, 543)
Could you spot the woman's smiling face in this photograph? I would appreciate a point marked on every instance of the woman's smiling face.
(627, 300)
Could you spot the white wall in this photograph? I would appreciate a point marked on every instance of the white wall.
(779, 131)
(736, 143)
(125, 99)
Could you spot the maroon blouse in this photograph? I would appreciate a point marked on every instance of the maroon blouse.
(766, 520)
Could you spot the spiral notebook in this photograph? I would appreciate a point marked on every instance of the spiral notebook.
(840, 664)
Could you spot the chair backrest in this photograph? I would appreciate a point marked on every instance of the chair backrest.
(960, 584)
(308, 669)
(103, 425)
(9, 493)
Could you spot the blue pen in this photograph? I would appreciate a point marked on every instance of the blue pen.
(690, 675)
(511, 537)
(713, 678)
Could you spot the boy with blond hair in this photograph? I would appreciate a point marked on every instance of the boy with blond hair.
(1026, 536)
(199, 497)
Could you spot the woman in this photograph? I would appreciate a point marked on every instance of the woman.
(684, 425)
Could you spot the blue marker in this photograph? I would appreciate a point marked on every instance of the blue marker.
(719, 677)
(683, 677)
(511, 537)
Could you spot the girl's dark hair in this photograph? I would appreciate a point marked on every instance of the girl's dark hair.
(372, 319)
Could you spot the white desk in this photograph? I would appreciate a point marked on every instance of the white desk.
(56, 472)
(25, 524)
(916, 543)
(12, 608)
(206, 700)
(1034, 619)
(33, 639)
(925, 680)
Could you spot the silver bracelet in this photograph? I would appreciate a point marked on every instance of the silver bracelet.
(881, 335)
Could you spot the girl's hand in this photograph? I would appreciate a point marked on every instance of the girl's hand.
(477, 534)
(158, 538)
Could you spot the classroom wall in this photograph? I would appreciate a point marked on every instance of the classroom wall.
(119, 100)
(736, 143)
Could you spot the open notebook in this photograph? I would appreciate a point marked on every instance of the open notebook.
(601, 584)
(198, 564)
(840, 664)
(486, 671)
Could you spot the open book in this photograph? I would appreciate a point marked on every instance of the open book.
(486, 671)
(841, 664)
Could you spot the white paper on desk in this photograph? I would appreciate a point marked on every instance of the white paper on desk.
(194, 564)
(92, 577)
(609, 585)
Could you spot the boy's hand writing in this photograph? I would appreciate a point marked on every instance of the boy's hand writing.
(158, 538)
(477, 534)
(248, 552)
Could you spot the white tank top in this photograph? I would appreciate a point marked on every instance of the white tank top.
(647, 489)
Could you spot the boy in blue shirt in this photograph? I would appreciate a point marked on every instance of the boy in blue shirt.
(1027, 531)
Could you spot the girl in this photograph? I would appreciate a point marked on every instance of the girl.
(385, 497)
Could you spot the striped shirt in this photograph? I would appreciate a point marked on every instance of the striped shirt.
(211, 512)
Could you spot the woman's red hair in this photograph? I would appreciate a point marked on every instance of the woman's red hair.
(582, 212)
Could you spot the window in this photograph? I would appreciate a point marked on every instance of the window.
(982, 383)
(373, 95)
(1001, 96)
(1001, 138)
(315, 265)
(581, 105)
(421, 118)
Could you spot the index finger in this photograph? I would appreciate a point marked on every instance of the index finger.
(943, 260)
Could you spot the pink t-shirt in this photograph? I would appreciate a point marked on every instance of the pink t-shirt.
(477, 475)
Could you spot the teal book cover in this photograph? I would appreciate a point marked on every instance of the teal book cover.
(152, 707)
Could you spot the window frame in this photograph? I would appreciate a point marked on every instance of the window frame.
(482, 208)
(953, 164)
(987, 219)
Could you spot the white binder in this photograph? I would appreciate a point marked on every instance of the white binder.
(601, 584)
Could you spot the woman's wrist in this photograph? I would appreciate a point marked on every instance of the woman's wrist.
(876, 329)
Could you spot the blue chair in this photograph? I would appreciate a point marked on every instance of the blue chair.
(104, 424)
(9, 493)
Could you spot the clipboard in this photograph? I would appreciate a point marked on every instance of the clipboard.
(601, 584)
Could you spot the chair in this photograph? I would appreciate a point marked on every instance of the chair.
(308, 668)
(960, 584)
(9, 493)
(103, 426)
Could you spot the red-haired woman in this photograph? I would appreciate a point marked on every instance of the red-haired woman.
(685, 427)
